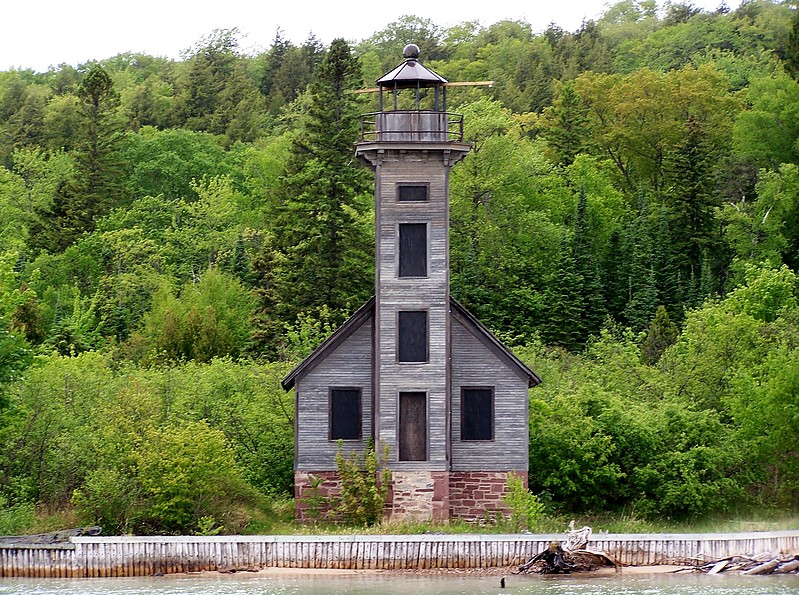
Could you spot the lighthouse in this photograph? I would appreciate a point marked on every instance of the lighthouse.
(412, 371)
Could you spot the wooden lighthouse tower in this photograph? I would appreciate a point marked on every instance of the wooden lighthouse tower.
(412, 369)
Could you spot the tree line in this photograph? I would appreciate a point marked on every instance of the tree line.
(177, 232)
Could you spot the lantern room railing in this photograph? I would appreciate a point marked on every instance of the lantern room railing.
(412, 126)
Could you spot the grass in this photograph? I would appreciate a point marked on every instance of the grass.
(276, 517)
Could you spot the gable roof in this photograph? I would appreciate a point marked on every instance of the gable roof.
(366, 312)
(488, 339)
(352, 324)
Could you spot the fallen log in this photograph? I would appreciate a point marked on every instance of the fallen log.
(53, 537)
(719, 566)
(573, 557)
(764, 568)
(550, 561)
(773, 563)
(788, 567)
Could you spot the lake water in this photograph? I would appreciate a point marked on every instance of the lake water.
(374, 584)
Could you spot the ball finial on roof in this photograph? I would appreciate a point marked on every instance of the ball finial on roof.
(411, 51)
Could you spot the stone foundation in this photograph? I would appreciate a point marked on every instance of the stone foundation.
(312, 491)
(419, 496)
(478, 495)
(415, 496)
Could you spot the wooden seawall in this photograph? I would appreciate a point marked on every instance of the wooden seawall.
(142, 556)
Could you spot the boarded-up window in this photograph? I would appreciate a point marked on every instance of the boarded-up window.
(345, 414)
(412, 192)
(413, 426)
(477, 414)
(413, 250)
(412, 336)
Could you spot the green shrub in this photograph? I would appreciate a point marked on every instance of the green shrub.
(525, 507)
(16, 519)
(364, 485)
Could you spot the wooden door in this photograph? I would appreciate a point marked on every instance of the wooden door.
(413, 426)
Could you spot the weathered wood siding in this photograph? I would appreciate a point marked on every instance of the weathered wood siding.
(141, 556)
(475, 365)
(394, 293)
(350, 365)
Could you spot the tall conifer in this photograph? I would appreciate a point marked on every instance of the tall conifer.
(321, 250)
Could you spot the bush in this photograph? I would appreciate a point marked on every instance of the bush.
(180, 479)
(364, 485)
(525, 507)
(16, 519)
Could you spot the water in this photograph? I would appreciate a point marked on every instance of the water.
(406, 584)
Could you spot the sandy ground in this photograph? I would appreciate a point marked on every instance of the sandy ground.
(495, 571)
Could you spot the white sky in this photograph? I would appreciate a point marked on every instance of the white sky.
(39, 33)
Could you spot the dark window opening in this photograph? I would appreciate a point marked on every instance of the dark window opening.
(413, 426)
(412, 192)
(412, 336)
(345, 414)
(413, 250)
(477, 414)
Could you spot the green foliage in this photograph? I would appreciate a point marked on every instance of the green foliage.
(176, 479)
(525, 508)
(16, 519)
(87, 431)
(767, 132)
(165, 162)
(364, 484)
(212, 319)
(321, 245)
(144, 200)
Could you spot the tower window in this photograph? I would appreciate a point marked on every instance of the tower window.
(477, 414)
(412, 192)
(345, 414)
(412, 336)
(413, 250)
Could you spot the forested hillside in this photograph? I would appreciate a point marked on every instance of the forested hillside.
(176, 234)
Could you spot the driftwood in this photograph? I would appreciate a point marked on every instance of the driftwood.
(48, 538)
(766, 563)
(572, 557)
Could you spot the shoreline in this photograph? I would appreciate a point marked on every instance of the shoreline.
(498, 571)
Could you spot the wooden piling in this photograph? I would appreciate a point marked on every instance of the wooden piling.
(91, 556)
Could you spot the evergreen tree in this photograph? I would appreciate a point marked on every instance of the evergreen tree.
(563, 297)
(791, 59)
(217, 96)
(664, 256)
(641, 277)
(99, 167)
(320, 254)
(566, 125)
(661, 334)
(586, 267)
(691, 200)
(615, 272)
(96, 186)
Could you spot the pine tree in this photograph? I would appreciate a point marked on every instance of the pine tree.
(320, 255)
(642, 279)
(615, 273)
(661, 334)
(566, 125)
(96, 187)
(691, 200)
(98, 156)
(586, 267)
(791, 59)
(563, 297)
